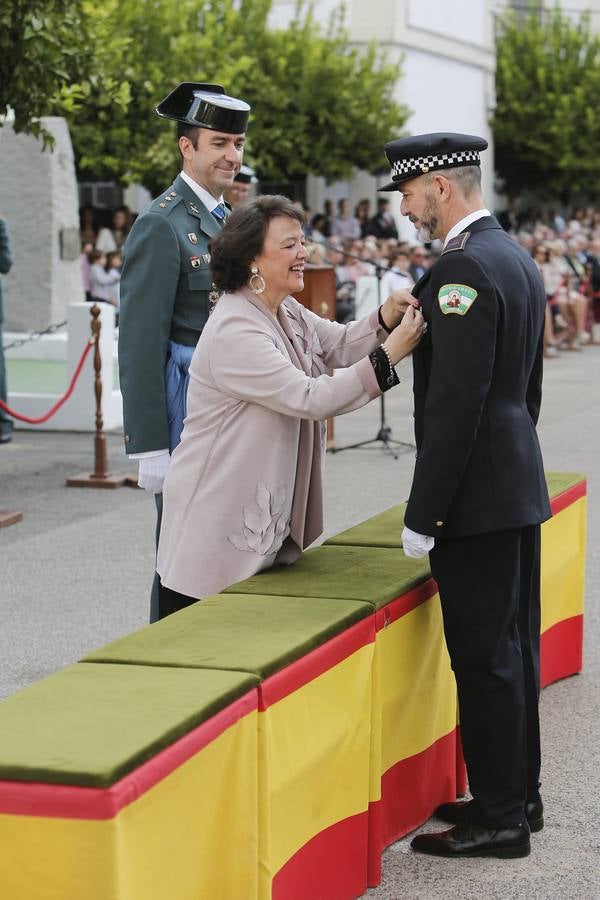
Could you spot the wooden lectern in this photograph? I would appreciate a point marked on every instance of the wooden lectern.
(318, 295)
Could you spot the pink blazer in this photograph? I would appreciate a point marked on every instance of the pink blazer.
(244, 488)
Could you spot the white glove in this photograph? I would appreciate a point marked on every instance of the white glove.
(152, 471)
(416, 545)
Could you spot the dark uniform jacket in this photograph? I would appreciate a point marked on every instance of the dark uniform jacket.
(477, 387)
(165, 289)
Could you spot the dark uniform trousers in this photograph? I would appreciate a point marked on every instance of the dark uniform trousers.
(479, 489)
(493, 641)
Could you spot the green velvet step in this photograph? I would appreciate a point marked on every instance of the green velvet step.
(561, 481)
(257, 634)
(382, 530)
(385, 529)
(90, 725)
(374, 575)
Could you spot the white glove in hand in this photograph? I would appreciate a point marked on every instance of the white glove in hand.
(416, 545)
(152, 471)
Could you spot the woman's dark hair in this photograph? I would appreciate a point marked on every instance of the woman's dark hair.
(243, 236)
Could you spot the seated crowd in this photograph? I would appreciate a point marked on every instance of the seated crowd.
(565, 247)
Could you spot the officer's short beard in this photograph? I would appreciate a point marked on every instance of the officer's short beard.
(429, 220)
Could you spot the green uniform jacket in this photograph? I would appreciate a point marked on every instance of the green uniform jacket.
(165, 287)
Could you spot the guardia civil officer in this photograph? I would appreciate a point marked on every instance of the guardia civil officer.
(166, 282)
(479, 494)
(241, 189)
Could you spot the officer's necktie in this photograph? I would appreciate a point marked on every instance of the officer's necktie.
(219, 212)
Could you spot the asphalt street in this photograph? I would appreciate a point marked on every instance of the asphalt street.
(76, 572)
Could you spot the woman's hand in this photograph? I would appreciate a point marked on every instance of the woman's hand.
(396, 305)
(406, 335)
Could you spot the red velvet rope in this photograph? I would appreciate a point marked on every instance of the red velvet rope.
(59, 403)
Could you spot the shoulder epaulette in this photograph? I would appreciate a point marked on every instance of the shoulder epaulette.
(457, 243)
(166, 202)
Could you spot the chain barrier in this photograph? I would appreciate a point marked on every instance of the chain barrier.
(34, 336)
(63, 399)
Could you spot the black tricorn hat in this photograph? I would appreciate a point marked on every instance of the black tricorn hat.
(413, 156)
(205, 105)
(246, 175)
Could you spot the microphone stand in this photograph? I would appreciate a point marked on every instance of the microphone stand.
(384, 435)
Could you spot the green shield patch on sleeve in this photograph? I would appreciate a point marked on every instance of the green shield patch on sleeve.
(456, 298)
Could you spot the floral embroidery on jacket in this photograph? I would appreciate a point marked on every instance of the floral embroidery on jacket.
(265, 524)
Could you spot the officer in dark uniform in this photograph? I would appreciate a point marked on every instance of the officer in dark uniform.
(479, 493)
(166, 282)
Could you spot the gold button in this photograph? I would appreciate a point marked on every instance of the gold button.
(439, 524)
(424, 169)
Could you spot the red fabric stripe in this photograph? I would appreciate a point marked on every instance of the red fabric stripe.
(402, 605)
(331, 866)
(22, 798)
(561, 650)
(319, 660)
(568, 497)
(461, 766)
(411, 789)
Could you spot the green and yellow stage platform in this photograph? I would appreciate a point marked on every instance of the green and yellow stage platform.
(268, 742)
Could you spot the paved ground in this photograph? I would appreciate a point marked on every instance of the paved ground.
(76, 574)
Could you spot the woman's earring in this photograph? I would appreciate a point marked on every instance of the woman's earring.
(257, 282)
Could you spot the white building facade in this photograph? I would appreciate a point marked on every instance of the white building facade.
(448, 64)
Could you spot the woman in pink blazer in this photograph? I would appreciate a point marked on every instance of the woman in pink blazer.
(244, 487)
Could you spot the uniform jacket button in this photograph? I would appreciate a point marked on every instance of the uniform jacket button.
(127, 438)
(439, 524)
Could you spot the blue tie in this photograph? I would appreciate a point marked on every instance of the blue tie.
(219, 212)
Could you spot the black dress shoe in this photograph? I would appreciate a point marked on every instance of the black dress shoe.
(5, 438)
(475, 840)
(467, 812)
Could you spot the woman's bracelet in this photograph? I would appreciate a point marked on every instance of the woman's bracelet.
(382, 323)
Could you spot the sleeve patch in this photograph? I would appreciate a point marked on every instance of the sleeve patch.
(456, 298)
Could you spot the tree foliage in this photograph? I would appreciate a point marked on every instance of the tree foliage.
(317, 105)
(546, 125)
(47, 66)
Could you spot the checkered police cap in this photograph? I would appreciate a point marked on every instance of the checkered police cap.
(418, 155)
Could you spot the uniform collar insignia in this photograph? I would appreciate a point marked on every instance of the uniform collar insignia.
(458, 242)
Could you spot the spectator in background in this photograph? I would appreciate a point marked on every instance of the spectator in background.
(328, 213)
(84, 259)
(344, 225)
(417, 267)
(6, 423)
(397, 277)
(318, 227)
(361, 214)
(102, 283)
(113, 238)
(88, 225)
(114, 264)
(382, 225)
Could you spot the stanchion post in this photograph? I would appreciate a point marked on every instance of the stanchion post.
(100, 477)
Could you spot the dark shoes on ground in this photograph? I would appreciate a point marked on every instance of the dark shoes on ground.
(5, 437)
(475, 840)
(467, 813)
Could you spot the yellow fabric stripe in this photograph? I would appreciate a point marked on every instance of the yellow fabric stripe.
(418, 690)
(563, 564)
(193, 835)
(314, 760)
